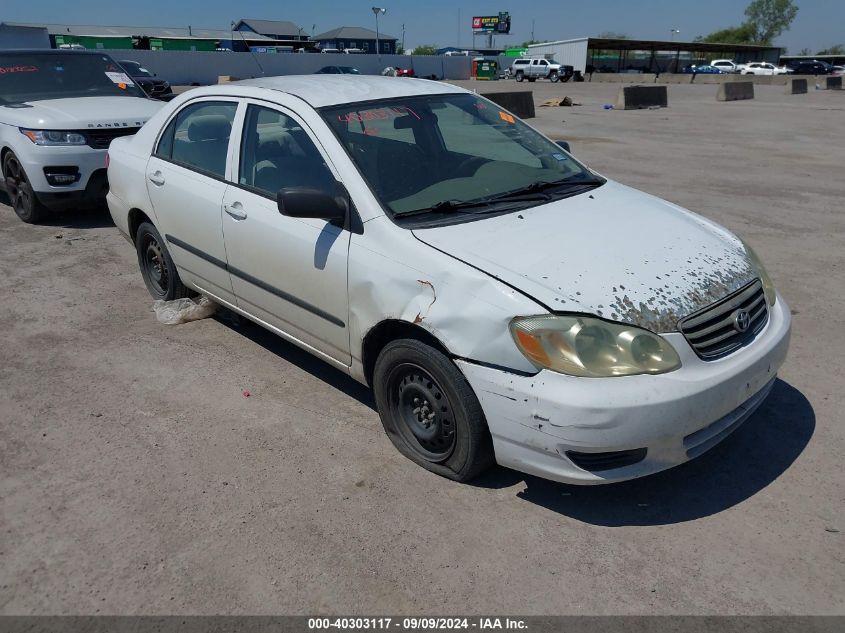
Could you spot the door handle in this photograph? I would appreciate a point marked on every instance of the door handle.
(235, 210)
(156, 178)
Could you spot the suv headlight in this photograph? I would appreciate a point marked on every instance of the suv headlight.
(768, 286)
(54, 137)
(591, 347)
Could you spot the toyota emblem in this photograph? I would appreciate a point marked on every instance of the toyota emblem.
(742, 320)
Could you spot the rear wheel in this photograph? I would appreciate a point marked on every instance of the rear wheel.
(553, 77)
(157, 267)
(430, 412)
(26, 204)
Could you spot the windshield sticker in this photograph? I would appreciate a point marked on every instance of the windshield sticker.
(121, 79)
(379, 114)
(559, 157)
(504, 116)
(7, 70)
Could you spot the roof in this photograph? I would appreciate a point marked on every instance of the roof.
(329, 90)
(613, 44)
(352, 33)
(274, 27)
(167, 32)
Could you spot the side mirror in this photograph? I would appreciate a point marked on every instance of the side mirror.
(308, 202)
(564, 145)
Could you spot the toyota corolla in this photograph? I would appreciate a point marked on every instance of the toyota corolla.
(505, 302)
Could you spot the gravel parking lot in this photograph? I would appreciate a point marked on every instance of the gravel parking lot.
(137, 477)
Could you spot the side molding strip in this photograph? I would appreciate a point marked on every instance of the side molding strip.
(256, 282)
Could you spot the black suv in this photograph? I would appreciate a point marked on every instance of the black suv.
(809, 67)
(152, 85)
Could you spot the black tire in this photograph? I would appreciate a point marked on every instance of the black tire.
(519, 76)
(23, 199)
(449, 438)
(157, 267)
(553, 77)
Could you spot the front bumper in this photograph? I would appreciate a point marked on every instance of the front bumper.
(535, 421)
(90, 163)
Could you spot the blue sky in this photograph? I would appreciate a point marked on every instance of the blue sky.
(820, 23)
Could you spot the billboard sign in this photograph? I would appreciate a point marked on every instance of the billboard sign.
(492, 23)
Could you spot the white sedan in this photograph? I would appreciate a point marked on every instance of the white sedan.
(763, 68)
(505, 302)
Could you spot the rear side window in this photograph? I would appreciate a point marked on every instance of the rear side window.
(198, 137)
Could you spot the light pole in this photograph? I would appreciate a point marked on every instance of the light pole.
(376, 11)
(674, 32)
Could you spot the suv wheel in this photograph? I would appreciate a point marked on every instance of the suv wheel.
(26, 204)
(520, 75)
(430, 412)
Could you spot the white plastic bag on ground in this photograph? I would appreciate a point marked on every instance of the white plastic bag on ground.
(183, 310)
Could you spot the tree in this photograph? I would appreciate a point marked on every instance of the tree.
(836, 49)
(770, 18)
(611, 35)
(426, 49)
(400, 50)
(805, 52)
(742, 34)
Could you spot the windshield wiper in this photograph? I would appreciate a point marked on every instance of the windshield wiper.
(445, 206)
(547, 185)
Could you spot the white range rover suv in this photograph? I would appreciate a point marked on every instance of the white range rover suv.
(59, 110)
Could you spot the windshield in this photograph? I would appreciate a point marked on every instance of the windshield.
(36, 76)
(448, 150)
(135, 69)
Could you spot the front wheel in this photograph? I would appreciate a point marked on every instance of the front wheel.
(520, 76)
(26, 204)
(157, 267)
(430, 412)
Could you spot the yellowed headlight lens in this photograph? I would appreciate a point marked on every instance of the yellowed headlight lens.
(768, 286)
(590, 347)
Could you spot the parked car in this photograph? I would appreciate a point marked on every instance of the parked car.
(838, 70)
(322, 208)
(704, 69)
(533, 68)
(148, 81)
(338, 70)
(809, 67)
(59, 110)
(764, 68)
(727, 65)
(404, 72)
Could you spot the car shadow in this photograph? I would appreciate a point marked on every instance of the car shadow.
(750, 459)
(305, 361)
(83, 217)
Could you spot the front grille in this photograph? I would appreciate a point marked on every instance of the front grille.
(597, 462)
(713, 331)
(100, 138)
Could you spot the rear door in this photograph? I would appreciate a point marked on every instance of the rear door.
(288, 272)
(186, 184)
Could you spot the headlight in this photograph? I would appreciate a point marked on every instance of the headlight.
(768, 286)
(591, 347)
(54, 137)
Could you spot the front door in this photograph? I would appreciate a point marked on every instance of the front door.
(288, 272)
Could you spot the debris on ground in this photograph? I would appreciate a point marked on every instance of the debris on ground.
(184, 310)
(553, 103)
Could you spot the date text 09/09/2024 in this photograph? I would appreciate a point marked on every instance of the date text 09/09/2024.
(412, 624)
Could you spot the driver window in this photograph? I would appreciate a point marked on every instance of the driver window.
(276, 153)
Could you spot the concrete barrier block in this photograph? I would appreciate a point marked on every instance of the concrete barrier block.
(735, 91)
(832, 83)
(640, 97)
(521, 102)
(796, 87)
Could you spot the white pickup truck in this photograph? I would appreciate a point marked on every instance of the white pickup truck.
(59, 110)
(533, 68)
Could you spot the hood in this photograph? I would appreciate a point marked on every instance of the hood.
(82, 113)
(614, 252)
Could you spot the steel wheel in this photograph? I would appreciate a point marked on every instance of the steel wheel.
(154, 265)
(424, 413)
